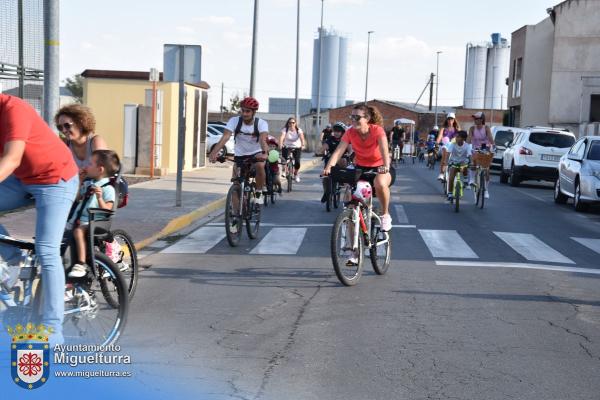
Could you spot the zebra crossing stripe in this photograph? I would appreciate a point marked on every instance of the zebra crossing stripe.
(401, 216)
(280, 241)
(446, 244)
(532, 248)
(592, 244)
(198, 242)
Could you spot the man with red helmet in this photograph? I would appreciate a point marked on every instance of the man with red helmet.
(250, 134)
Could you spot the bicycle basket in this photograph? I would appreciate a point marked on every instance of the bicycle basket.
(483, 159)
(345, 175)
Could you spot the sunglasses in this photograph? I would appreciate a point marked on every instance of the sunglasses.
(356, 117)
(292, 122)
(66, 126)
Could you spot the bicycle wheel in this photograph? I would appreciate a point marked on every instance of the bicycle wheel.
(482, 188)
(457, 190)
(380, 249)
(290, 176)
(128, 261)
(342, 249)
(336, 195)
(233, 220)
(88, 318)
(253, 215)
(329, 194)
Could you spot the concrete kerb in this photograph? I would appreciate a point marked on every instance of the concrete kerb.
(182, 221)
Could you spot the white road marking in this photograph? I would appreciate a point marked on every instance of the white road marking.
(532, 248)
(446, 244)
(593, 244)
(517, 265)
(197, 242)
(401, 214)
(281, 241)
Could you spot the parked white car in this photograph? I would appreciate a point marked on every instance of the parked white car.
(502, 135)
(212, 138)
(534, 154)
(579, 174)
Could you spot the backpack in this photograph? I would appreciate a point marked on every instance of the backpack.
(121, 196)
(238, 128)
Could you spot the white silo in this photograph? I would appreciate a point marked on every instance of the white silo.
(333, 69)
(342, 79)
(497, 71)
(475, 71)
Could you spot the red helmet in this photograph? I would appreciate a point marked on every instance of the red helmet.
(272, 140)
(250, 103)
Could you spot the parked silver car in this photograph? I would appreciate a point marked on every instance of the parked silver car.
(579, 174)
(213, 135)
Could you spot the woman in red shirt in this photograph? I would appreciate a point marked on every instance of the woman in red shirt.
(370, 145)
(35, 162)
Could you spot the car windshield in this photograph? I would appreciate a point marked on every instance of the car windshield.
(549, 139)
(502, 137)
(220, 128)
(594, 153)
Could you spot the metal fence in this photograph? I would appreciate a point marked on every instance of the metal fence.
(22, 50)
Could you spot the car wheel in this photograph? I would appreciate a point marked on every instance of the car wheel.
(559, 196)
(577, 203)
(503, 176)
(515, 178)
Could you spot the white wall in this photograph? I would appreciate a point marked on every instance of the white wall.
(537, 73)
(576, 54)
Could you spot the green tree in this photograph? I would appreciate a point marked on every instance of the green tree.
(75, 86)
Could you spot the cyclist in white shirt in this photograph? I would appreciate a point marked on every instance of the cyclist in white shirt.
(456, 153)
(250, 133)
(292, 141)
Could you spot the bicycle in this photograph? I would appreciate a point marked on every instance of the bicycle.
(333, 194)
(397, 155)
(271, 186)
(357, 227)
(432, 157)
(289, 170)
(241, 205)
(483, 159)
(458, 187)
(87, 320)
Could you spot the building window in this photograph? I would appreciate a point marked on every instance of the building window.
(518, 69)
(595, 108)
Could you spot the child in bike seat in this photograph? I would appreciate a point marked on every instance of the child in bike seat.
(273, 163)
(95, 193)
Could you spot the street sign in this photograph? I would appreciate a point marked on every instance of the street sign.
(191, 66)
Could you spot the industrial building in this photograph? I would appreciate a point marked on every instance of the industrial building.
(486, 70)
(333, 69)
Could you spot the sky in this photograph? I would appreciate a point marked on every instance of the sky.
(129, 35)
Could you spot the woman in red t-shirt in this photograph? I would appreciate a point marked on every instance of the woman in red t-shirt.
(35, 162)
(370, 146)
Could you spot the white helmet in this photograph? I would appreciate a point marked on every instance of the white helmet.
(363, 191)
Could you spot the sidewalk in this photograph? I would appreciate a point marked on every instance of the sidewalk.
(151, 212)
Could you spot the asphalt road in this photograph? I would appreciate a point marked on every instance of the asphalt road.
(510, 309)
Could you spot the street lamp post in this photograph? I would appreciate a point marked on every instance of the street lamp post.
(319, 76)
(437, 85)
(254, 37)
(367, 75)
(297, 105)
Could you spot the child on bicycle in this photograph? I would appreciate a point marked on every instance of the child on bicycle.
(329, 146)
(94, 193)
(274, 165)
(456, 153)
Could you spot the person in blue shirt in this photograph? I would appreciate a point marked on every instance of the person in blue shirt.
(95, 193)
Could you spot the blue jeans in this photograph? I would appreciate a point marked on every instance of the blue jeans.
(52, 204)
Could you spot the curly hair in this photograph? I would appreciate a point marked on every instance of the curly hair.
(81, 115)
(372, 113)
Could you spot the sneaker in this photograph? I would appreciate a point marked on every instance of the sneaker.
(449, 198)
(69, 293)
(78, 271)
(324, 198)
(440, 177)
(486, 194)
(297, 178)
(471, 183)
(386, 222)
(352, 261)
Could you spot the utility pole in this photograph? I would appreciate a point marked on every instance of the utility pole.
(297, 107)
(431, 90)
(51, 59)
(222, 90)
(320, 72)
(368, 51)
(254, 38)
(437, 86)
(154, 78)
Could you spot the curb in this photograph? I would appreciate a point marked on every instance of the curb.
(185, 220)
